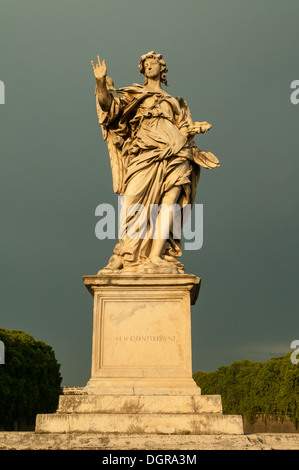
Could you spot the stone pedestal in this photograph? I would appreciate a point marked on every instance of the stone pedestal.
(141, 378)
(142, 334)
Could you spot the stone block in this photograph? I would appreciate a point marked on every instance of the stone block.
(142, 334)
(141, 423)
(137, 404)
(141, 375)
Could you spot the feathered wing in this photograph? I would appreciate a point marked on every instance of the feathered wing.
(201, 157)
(116, 160)
(114, 144)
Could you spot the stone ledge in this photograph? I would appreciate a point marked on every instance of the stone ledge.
(140, 404)
(98, 441)
(142, 386)
(151, 423)
(159, 281)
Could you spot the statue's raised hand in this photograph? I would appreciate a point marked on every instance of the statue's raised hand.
(99, 70)
(100, 73)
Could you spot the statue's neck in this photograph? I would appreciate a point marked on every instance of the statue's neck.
(153, 85)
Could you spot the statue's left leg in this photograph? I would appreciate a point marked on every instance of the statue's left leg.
(164, 223)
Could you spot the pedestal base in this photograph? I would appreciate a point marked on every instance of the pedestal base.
(139, 386)
(162, 414)
(142, 334)
(141, 378)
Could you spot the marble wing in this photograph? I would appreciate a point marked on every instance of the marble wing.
(114, 144)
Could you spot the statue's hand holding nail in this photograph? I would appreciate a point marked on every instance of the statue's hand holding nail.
(199, 128)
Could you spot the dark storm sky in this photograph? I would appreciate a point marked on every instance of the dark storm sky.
(233, 61)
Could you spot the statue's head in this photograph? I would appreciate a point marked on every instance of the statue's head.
(153, 57)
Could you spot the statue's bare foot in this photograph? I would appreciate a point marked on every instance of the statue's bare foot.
(115, 263)
(162, 266)
(168, 264)
(157, 260)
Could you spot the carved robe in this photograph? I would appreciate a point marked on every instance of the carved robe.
(150, 152)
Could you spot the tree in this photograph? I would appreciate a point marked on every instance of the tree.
(251, 388)
(30, 381)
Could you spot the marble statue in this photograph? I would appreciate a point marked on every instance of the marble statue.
(141, 372)
(154, 161)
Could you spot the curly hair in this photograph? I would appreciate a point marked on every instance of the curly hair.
(159, 58)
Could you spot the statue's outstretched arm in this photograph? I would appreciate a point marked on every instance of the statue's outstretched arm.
(186, 122)
(199, 128)
(100, 73)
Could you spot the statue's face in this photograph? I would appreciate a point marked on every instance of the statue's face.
(152, 68)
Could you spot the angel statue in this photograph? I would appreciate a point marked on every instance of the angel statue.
(155, 163)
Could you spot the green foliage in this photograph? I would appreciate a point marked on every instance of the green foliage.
(30, 381)
(249, 388)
